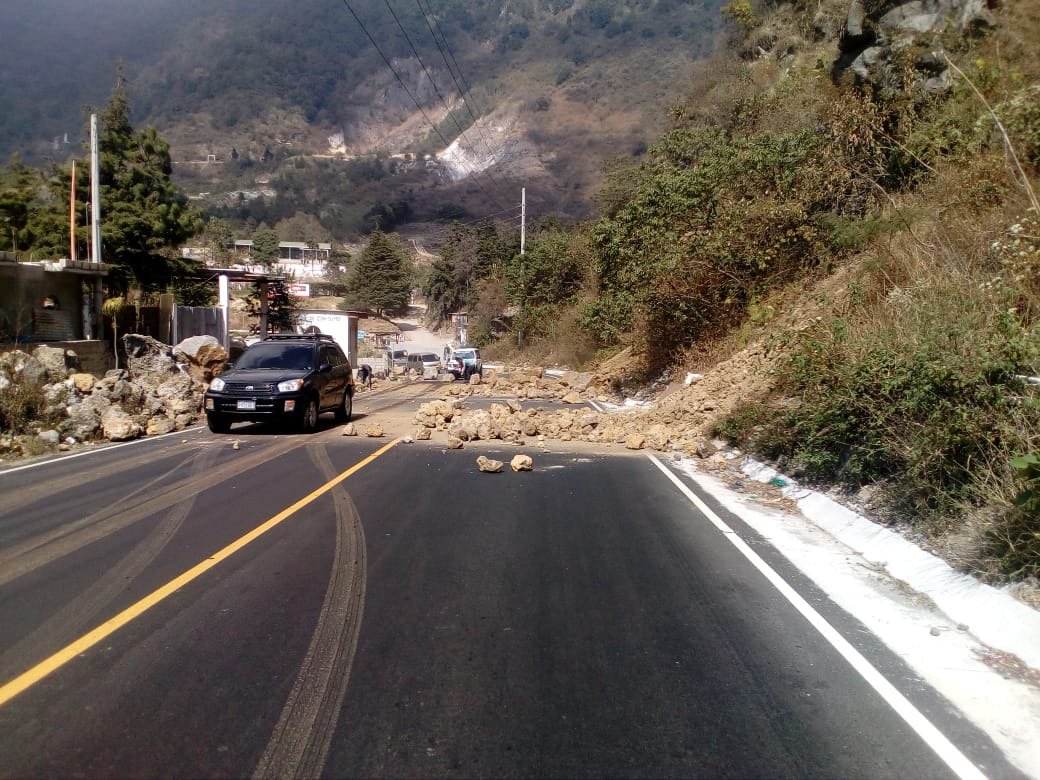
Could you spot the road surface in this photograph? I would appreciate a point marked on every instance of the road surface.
(282, 605)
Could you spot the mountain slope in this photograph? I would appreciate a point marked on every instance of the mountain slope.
(544, 88)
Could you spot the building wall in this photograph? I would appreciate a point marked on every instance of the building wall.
(22, 291)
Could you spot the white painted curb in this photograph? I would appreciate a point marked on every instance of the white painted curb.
(992, 615)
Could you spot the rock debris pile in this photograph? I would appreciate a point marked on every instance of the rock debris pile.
(159, 391)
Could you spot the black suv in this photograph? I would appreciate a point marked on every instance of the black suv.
(286, 377)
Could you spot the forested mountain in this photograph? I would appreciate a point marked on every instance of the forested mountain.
(537, 91)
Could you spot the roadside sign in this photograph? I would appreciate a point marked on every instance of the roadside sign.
(300, 290)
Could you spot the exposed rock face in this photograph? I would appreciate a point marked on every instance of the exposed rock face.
(872, 35)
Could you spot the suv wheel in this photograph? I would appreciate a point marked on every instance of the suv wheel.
(309, 420)
(345, 409)
(217, 424)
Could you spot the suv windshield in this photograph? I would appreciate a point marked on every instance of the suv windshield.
(293, 357)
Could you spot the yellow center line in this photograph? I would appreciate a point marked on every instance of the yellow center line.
(32, 676)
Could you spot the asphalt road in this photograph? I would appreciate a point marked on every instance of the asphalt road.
(215, 611)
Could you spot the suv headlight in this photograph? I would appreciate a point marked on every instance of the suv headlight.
(290, 385)
(217, 384)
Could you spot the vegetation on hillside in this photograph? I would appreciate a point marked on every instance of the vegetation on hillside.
(916, 374)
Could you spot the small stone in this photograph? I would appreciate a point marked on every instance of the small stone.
(350, 430)
(489, 465)
(375, 430)
(521, 463)
(571, 398)
(234, 446)
(962, 626)
(422, 434)
(454, 443)
(706, 449)
(407, 439)
(935, 631)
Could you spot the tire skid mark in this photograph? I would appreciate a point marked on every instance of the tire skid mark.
(77, 613)
(37, 551)
(47, 489)
(301, 740)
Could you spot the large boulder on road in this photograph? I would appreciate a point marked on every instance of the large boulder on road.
(204, 356)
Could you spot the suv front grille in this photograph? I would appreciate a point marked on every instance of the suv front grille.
(249, 388)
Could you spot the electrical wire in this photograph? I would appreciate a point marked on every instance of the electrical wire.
(408, 92)
(445, 51)
(433, 83)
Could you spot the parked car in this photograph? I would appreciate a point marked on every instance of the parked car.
(465, 362)
(286, 378)
(395, 356)
(425, 364)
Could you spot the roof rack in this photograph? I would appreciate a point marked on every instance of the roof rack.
(298, 337)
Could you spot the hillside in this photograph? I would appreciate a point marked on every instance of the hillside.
(274, 107)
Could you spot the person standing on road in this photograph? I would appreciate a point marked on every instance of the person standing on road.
(365, 375)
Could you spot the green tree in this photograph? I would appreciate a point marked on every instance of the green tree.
(143, 214)
(219, 238)
(19, 185)
(265, 247)
(381, 279)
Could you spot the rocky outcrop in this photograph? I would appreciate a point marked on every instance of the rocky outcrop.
(874, 33)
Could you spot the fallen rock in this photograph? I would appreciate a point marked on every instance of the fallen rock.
(117, 425)
(635, 441)
(204, 355)
(571, 398)
(84, 383)
(148, 358)
(350, 430)
(158, 425)
(423, 434)
(521, 463)
(53, 361)
(454, 443)
(489, 465)
(375, 430)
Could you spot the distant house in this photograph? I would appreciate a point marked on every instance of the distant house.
(378, 332)
(296, 258)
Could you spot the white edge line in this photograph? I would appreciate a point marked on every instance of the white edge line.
(594, 405)
(924, 728)
(96, 450)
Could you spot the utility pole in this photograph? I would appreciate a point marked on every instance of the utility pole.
(95, 194)
(523, 280)
(72, 215)
(93, 307)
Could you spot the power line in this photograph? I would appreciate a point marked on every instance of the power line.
(462, 133)
(428, 16)
(408, 92)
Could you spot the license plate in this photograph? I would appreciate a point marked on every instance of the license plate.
(246, 406)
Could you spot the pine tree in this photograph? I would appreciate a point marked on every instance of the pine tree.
(381, 280)
(142, 211)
